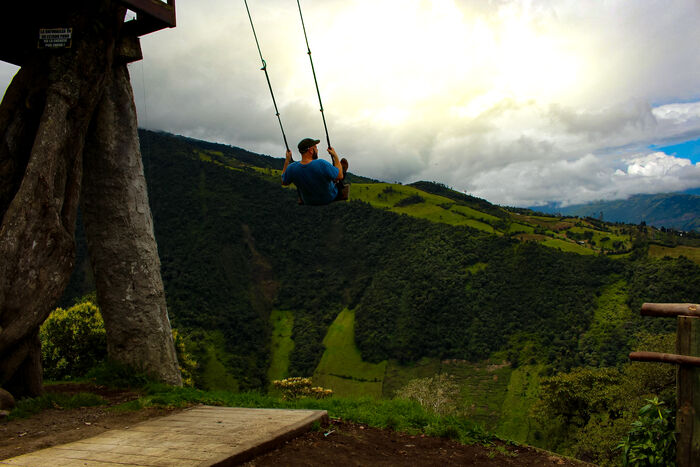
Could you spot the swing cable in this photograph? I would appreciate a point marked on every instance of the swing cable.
(314, 73)
(264, 68)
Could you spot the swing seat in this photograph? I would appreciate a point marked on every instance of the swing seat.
(343, 195)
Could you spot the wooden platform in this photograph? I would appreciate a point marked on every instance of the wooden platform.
(200, 436)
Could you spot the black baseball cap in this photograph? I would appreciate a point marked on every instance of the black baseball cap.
(306, 143)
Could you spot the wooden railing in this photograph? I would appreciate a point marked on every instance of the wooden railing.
(688, 378)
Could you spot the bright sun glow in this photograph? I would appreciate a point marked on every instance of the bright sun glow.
(405, 55)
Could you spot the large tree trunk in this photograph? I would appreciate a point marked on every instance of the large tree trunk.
(44, 120)
(119, 231)
(45, 117)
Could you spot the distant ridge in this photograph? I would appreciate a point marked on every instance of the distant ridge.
(679, 211)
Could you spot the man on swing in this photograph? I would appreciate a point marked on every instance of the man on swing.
(317, 181)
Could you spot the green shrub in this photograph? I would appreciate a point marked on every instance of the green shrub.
(652, 438)
(72, 341)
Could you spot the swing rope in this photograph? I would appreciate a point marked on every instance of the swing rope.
(314, 73)
(267, 77)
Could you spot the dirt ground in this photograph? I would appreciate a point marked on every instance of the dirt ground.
(341, 443)
(350, 444)
(60, 426)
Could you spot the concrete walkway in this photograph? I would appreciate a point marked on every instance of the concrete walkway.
(200, 436)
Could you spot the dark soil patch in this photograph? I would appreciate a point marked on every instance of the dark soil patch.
(351, 444)
(60, 426)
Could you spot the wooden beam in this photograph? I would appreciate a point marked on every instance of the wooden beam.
(665, 358)
(164, 12)
(670, 309)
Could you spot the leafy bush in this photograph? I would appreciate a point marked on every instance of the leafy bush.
(438, 393)
(652, 438)
(72, 341)
(74, 344)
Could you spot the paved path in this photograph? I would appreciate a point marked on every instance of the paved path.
(200, 436)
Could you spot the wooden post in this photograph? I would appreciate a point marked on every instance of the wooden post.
(688, 383)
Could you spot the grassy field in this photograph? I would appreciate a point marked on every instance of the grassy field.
(515, 421)
(432, 207)
(553, 224)
(517, 227)
(397, 376)
(484, 389)
(599, 235)
(281, 345)
(495, 396)
(692, 253)
(341, 367)
(564, 245)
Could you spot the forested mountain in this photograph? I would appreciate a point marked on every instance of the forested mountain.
(235, 245)
(680, 211)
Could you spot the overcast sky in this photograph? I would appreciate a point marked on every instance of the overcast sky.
(517, 102)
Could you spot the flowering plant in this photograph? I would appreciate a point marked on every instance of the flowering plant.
(298, 387)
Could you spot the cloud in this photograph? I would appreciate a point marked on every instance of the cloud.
(656, 164)
(589, 178)
(517, 102)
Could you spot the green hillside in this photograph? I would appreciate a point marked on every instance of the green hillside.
(427, 275)
(401, 282)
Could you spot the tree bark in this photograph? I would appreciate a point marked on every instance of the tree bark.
(121, 242)
(44, 118)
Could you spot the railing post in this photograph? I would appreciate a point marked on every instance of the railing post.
(688, 394)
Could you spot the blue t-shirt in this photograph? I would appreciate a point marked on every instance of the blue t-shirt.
(314, 181)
